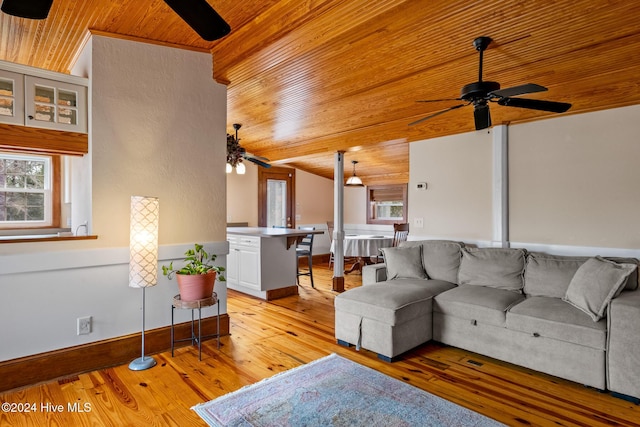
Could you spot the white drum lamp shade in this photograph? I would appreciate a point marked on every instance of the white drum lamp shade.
(143, 242)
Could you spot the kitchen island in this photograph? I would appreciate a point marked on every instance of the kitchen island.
(262, 261)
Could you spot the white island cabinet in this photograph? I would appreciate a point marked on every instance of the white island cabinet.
(262, 261)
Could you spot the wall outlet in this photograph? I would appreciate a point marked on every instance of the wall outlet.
(418, 222)
(84, 325)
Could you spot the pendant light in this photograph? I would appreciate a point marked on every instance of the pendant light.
(354, 181)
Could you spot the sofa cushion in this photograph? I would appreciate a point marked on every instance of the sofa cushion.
(404, 263)
(440, 258)
(477, 303)
(394, 302)
(554, 318)
(595, 284)
(550, 275)
(493, 267)
(632, 281)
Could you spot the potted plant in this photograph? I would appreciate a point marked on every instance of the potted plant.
(197, 278)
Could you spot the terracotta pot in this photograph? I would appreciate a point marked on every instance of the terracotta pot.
(196, 286)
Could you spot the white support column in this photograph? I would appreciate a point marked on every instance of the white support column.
(338, 222)
(501, 186)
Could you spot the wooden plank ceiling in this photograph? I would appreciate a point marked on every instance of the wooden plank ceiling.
(307, 78)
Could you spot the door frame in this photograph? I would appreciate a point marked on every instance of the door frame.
(275, 172)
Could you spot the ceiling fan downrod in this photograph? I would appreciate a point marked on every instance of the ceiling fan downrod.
(237, 126)
(476, 92)
(481, 44)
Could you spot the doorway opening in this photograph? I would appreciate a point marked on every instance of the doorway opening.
(276, 197)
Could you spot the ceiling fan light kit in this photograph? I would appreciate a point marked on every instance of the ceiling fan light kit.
(30, 9)
(480, 93)
(236, 153)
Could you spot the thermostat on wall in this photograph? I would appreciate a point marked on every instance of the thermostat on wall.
(421, 186)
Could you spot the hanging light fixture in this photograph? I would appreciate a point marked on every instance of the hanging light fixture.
(354, 181)
(235, 153)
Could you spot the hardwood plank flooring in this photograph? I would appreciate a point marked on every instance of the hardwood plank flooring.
(270, 337)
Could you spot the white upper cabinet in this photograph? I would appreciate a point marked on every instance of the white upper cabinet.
(39, 98)
(11, 98)
(55, 105)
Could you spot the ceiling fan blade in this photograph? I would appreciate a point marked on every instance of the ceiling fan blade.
(436, 114)
(201, 17)
(253, 156)
(258, 162)
(481, 116)
(31, 9)
(518, 90)
(536, 104)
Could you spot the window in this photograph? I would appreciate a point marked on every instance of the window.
(29, 191)
(387, 204)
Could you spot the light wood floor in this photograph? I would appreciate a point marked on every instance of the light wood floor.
(267, 338)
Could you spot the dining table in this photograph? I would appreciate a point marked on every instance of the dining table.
(363, 247)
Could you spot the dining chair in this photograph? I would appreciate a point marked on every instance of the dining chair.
(400, 234)
(305, 249)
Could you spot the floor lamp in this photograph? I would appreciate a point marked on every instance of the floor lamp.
(143, 258)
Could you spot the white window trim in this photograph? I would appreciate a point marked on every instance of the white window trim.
(48, 203)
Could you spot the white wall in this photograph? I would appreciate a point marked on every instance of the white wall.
(572, 185)
(458, 201)
(157, 128)
(242, 196)
(574, 180)
(314, 198)
(355, 205)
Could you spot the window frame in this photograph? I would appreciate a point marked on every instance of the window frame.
(52, 219)
(371, 219)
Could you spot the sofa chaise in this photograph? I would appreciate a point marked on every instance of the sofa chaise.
(577, 318)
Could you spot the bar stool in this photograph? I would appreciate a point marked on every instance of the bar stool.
(304, 249)
(193, 305)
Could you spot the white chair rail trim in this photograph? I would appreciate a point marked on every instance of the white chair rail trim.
(63, 260)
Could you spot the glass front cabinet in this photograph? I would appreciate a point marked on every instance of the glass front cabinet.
(11, 98)
(42, 103)
(55, 105)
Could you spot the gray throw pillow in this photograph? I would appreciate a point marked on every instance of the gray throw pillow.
(595, 284)
(440, 258)
(500, 268)
(550, 275)
(404, 263)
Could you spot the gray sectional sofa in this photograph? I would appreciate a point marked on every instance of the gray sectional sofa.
(573, 317)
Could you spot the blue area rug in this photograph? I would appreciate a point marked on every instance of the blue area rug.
(334, 391)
